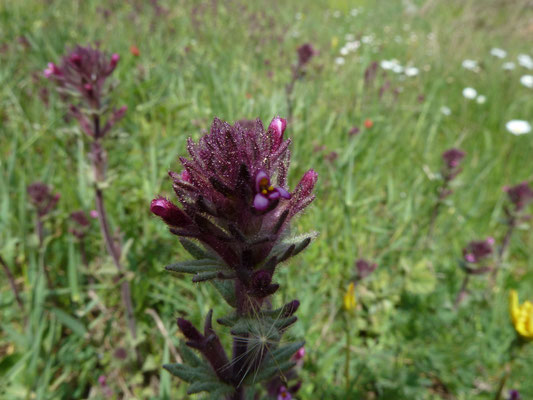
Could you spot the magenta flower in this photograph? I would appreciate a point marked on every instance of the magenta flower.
(478, 250)
(514, 395)
(520, 195)
(234, 187)
(235, 202)
(85, 71)
(284, 394)
(266, 194)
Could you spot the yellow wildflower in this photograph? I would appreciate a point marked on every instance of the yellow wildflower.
(334, 42)
(349, 298)
(521, 315)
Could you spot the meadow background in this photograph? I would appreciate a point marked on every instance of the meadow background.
(232, 59)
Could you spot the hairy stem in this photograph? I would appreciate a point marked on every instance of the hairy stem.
(112, 248)
(11, 280)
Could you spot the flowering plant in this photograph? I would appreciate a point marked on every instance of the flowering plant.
(236, 204)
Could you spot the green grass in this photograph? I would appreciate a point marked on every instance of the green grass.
(200, 60)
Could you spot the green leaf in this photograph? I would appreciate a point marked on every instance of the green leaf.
(188, 355)
(227, 289)
(284, 353)
(196, 266)
(204, 276)
(74, 324)
(193, 249)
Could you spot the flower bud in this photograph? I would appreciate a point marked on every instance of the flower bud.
(114, 61)
(308, 181)
(190, 332)
(169, 212)
(276, 129)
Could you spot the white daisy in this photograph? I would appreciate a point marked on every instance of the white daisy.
(518, 127)
(386, 64)
(527, 81)
(500, 53)
(445, 110)
(397, 68)
(340, 61)
(470, 65)
(336, 14)
(525, 61)
(481, 99)
(353, 45)
(469, 93)
(349, 37)
(344, 51)
(354, 12)
(411, 71)
(508, 66)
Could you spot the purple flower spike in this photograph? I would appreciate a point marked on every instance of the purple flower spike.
(266, 194)
(42, 198)
(305, 53)
(453, 157)
(85, 71)
(520, 195)
(477, 250)
(514, 395)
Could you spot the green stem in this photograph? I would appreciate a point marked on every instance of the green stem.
(347, 362)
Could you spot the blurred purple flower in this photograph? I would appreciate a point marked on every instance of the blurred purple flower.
(83, 73)
(453, 157)
(520, 195)
(364, 268)
(42, 198)
(514, 395)
(81, 223)
(284, 394)
(478, 250)
(305, 53)
(354, 131)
